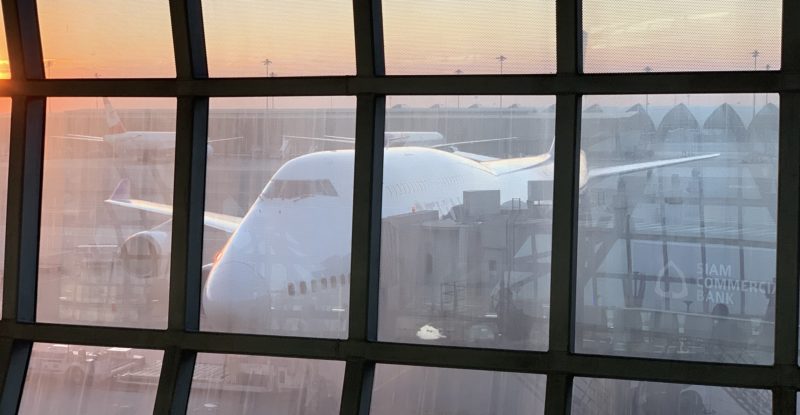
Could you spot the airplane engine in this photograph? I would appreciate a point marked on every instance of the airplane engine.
(146, 254)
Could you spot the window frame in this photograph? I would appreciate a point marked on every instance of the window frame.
(182, 340)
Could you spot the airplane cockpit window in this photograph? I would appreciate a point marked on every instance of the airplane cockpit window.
(303, 287)
(298, 189)
(291, 289)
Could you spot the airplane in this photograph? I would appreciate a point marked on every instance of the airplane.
(122, 140)
(290, 253)
(430, 139)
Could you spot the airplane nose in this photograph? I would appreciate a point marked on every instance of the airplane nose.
(236, 299)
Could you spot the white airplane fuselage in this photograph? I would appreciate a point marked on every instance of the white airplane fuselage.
(293, 254)
(157, 142)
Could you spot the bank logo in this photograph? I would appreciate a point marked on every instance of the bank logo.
(666, 289)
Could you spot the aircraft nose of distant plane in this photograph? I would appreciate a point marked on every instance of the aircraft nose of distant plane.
(236, 299)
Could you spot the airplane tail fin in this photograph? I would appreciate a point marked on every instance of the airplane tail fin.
(115, 125)
(122, 193)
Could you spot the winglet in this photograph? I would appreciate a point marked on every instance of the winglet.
(122, 193)
(115, 125)
(552, 150)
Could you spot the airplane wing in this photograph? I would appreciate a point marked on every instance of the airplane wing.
(121, 197)
(486, 140)
(80, 137)
(476, 157)
(327, 138)
(629, 168)
(218, 140)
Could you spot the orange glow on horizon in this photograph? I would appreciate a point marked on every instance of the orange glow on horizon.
(124, 38)
(110, 39)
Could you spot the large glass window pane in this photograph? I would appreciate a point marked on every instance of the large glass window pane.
(611, 396)
(279, 199)
(670, 36)
(677, 224)
(108, 39)
(416, 390)
(90, 380)
(238, 384)
(474, 37)
(279, 38)
(106, 227)
(466, 231)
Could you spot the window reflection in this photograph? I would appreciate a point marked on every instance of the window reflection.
(5, 133)
(469, 37)
(669, 36)
(106, 226)
(279, 212)
(610, 396)
(5, 69)
(676, 252)
(238, 384)
(298, 189)
(90, 380)
(411, 390)
(109, 39)
(465, 244)
(279, 38)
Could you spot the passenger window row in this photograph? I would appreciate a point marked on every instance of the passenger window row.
(317, 284)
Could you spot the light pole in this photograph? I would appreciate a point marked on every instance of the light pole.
(755, 68)
(458, 97)
(266, 62)
(502, 59)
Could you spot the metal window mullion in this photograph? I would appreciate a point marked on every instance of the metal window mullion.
(367, 186)
(13, 39)
(652, 83)
(787, 269)
(188, 207)
(368, 30)
(22, 237)
(187, 250)
(786, 293)
(615, 367)
(188, 39)
(23, 38)
(175, 382)
(18, 354)
(23, 208)
(565, 187)
(365, 257)
(784, 401)
(562, 275)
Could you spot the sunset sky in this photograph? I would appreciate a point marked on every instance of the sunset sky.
(124, 38)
